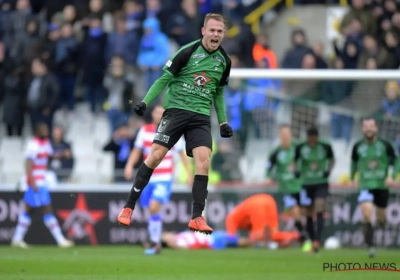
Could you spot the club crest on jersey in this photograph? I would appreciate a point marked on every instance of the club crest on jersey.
(163, 124)
(217, 58)
(199, 55)
(373, 164)
(314, 166)
(201, 80)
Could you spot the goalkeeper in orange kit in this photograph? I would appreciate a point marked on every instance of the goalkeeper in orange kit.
(259, 215)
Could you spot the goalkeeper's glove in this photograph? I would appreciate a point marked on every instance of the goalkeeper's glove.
(140, 108)
(226, 131)
(326, 174)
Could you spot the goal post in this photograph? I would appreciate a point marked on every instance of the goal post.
(260, 100)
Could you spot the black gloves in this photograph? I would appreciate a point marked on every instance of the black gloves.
(297, 174)
(326, 174)
(140, 108)
(226, 131)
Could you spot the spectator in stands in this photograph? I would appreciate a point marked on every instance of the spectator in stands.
(373, 50)
(308, 62)
(62, 160)
(349, 55)
(69, 15)
(96, 8)
(43, 94)
(5, 12)
(67, 65)
(359, 10)
(318, 51)
(184, 26)
(49, 46)
(333, 93)
(155, 9)
(391, 102)
(262, 102)
(262, 51)
(121, 145)
(14, 90)
(93, 63)
(123, 43)
(391, 43)
(222, 162)
(135, 15)
(293, 57)
(396, 23)
(18, 19)
(21, 43)
(119, 91)
(153, 51)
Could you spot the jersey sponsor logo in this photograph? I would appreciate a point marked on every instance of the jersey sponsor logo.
(199, 55)
(163, 124)
(169, 63)
(201, 80)
(217, 58)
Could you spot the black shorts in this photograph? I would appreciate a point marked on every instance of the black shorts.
(311, 192)
(380, 197)
(290, 200)
(176, 122)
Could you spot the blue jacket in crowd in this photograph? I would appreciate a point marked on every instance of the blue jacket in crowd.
(153, 50)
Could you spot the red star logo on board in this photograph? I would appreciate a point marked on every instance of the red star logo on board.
(201, 80)
(80, 221)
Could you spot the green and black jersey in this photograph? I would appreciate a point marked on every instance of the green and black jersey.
(281, 167)
(195, 79)
(313, 162)
(372, 162)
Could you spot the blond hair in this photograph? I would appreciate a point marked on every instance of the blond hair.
(216, 17)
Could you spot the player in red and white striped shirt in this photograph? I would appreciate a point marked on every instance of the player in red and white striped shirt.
(158, 190)
(37, 195)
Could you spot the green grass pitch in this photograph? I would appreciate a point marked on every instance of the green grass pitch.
(127, 262)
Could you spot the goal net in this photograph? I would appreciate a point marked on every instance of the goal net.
(259, 101)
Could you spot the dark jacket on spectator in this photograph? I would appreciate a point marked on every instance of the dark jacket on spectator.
(49, 93)
(14, 97)
(294, 57)
(92, 59)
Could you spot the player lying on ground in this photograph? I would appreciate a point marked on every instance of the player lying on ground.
(259, 215)
(314, 163)
(372, 158)
(194, 240)
(195, 76)
(37, 195)
(158, 191)
(281, 166)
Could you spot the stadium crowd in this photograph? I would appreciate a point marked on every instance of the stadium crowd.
(54, 54)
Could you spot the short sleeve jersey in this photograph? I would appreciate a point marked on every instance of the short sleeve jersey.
(197, 74)
(282, 162)
(312, 162)
(372, 162)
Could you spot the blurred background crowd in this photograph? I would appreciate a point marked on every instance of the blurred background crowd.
(78, 65)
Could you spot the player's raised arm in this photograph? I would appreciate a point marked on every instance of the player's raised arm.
(354, 162)
(172, 67)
